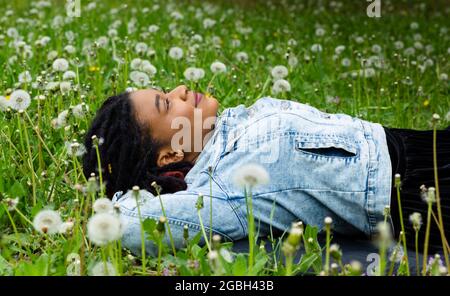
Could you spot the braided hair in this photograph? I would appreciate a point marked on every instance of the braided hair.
(127, 152)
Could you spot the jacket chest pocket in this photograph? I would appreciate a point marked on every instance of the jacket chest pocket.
(339, 148)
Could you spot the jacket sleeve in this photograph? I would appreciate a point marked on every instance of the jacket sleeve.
(180, 210)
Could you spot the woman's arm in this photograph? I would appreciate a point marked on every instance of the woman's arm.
(180, 210)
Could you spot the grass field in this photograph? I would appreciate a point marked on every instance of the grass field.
(57, 70)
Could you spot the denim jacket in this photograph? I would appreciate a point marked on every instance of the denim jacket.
(319, 164)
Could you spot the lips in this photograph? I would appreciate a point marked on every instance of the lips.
(198, 98)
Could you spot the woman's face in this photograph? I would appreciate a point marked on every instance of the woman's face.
(176, 118)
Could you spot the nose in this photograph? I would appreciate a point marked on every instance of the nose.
(180, 92)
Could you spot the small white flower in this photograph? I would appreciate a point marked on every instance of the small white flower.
(100, 270)
(218, 67)
(443, 77)
(19, 99)
(447, 116)
(47, 221)
(104, 228)
(279, 72)
(292, 42)
(281, 85)
(251, 175)
(103, 205)
(25, 77)
(175, 53)
(60, 65)
(316, 48)
(61, 120)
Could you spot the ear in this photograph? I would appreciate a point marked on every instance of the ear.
(167, 156)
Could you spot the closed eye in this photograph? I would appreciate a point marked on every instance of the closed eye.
(167, 104)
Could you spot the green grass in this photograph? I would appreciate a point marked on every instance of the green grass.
(35, 165)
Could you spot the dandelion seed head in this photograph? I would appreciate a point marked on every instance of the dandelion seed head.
(47, 221)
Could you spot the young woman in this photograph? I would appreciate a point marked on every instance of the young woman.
(319, 165)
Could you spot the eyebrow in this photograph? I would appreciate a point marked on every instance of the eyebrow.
(157, 103)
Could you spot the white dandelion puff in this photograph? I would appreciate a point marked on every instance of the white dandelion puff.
(339, 49)
(241, 56)
(65, 227)
(316, 48)
(69, 75)
(79, 111)
(25, 77)
(47, 221)
(139, 78)
(251, 175)
(281, 85)
(74, 148)
(218, 67)
(103, 205)
(148, 68)
(176, 53)
(60, 65)
(279, 72)
(193, 74)
(65, 87)
(136, 64)
(19, 99)
(140, 47)
(104, 228)
(346, 62)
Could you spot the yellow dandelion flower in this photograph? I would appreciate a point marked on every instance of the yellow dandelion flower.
(94, 68)
(426, 103)
(7, 98)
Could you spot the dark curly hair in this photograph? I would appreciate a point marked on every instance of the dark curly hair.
(127, 152)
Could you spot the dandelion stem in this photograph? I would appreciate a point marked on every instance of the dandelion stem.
(438, 199)
(427, 235)
(203, 230)
(403, 229)
(417, 251)
(168, 227)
